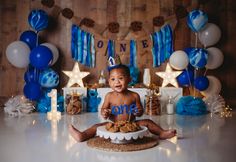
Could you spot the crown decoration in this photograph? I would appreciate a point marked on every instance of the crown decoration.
(113, 62)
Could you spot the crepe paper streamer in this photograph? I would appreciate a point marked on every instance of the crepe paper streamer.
(82, 46)
(162, 45)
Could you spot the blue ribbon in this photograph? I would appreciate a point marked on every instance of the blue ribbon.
(92, 51)
(111, 51)
(162, 45)
(133, 54)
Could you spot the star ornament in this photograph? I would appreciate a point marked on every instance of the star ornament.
(75, 76)
(169, 76)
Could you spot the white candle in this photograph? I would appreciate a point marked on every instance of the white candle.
(146, 77)
(170, 108)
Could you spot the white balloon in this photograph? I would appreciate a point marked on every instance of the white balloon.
(214, 87)
(179, 60)
(54, 50)
(17, 54)
(215, 58)
(209, 35)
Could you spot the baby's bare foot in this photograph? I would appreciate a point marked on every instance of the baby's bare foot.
(167, 134)
(76, 134)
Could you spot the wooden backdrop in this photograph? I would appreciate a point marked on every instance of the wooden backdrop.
(13, 21)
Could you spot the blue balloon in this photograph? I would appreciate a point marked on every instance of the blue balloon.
(188, 50)
(185, 78)
(30, 76)
(40, 57)
(201, 83)
(48, 78)
(32, 91)
(38, 19)
(30, 38)
(198, 57)
(196, 20)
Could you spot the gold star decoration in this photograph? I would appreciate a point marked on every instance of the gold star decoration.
(75, 76)
(169, 76)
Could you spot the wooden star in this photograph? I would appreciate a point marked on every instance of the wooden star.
(76, 76)
(169, 76)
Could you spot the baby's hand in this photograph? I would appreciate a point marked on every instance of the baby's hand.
(106, 113)
(138, 112)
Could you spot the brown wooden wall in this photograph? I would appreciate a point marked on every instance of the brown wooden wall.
(13, 21)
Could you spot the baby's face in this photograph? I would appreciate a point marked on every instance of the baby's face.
(118, 80)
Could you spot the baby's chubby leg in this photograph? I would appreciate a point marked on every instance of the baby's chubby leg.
(85, 135)
(156, 129)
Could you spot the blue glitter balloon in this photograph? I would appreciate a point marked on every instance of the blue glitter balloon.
(196, 20)
(198, 57)
(38, 19)
(48, 78)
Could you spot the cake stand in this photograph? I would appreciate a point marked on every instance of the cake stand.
(121, 138)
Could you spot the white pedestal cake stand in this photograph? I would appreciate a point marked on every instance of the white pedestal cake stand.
(121, 138)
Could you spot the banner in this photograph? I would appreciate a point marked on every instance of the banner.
(84, 45)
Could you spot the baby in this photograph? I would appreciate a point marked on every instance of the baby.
(121, 105)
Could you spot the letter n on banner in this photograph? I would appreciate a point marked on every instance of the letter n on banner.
(144, 44)
(100, 45)
(122, 47)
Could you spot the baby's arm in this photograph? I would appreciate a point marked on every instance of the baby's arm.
(106, 111)
(139, 105)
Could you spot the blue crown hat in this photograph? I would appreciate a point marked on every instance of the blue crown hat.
(113, 62)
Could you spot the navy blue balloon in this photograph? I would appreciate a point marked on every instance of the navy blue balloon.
(30, 76)
(188, 50)
(32, 91)
(41, 57)
(198, 57)
(201, 83)
(185, 78)
(30, 38)
(38, 19)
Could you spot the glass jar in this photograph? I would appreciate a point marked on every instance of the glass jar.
(73, 103)
(152, 105)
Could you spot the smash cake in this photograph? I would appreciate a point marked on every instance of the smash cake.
(122, 132)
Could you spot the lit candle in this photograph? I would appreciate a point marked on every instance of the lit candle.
(53, 113)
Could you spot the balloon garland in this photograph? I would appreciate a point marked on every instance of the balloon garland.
(37, 58)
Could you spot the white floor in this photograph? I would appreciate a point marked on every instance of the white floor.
(34, 138)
